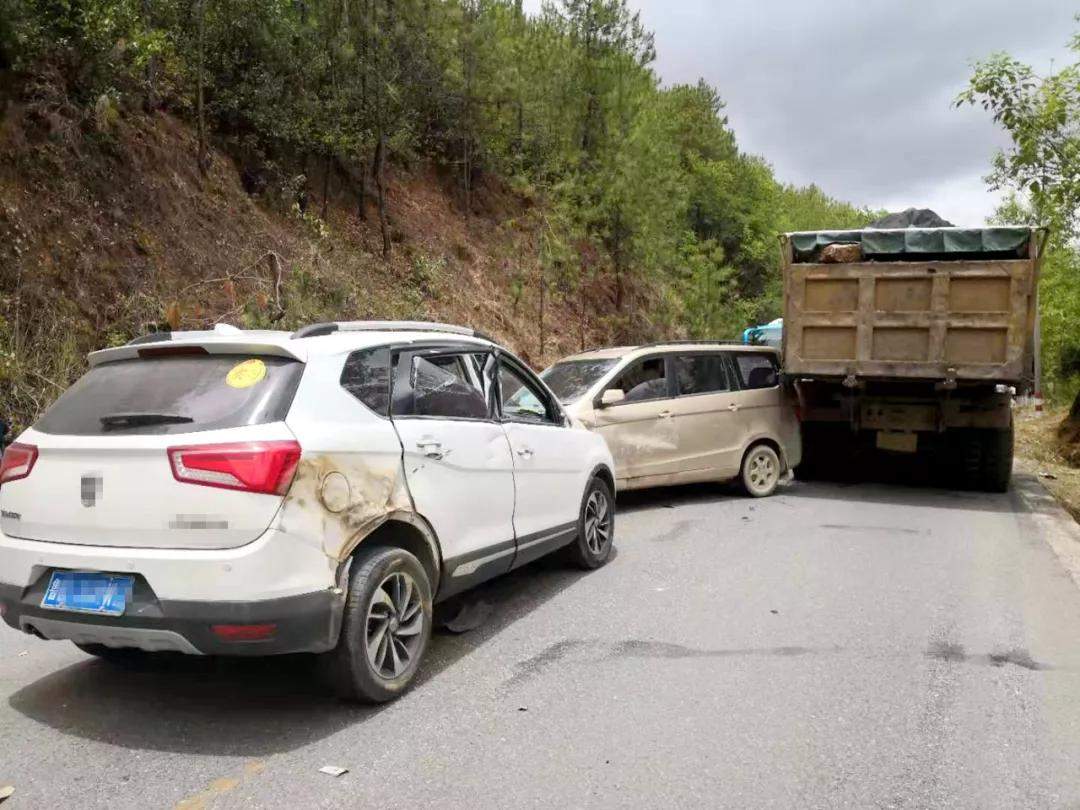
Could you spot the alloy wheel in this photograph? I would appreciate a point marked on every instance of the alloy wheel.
(762, 471)
(395, 624)
(597, 522)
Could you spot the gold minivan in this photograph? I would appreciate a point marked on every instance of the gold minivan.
(678, 413)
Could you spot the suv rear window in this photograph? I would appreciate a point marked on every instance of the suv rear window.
(166, 395)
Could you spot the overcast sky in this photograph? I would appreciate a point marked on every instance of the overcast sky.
(855, 95)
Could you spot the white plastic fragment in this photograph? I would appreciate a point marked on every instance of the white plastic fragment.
(333, 770)
(6, 793)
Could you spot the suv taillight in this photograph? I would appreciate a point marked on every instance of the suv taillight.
(266, 467)
(17, 462)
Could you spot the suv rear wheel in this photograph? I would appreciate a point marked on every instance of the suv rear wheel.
(386, 626)
(596, 527)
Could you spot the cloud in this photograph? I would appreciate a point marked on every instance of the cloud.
(856, 95)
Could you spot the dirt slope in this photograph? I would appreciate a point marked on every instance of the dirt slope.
(108, 229)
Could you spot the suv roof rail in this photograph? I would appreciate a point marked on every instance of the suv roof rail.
(321, 329)
(703, 343)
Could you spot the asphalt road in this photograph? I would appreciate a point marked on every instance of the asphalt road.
(834, 645)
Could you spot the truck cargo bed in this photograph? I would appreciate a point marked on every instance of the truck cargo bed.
(962, 320)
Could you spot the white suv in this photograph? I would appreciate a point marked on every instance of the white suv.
(250, 493)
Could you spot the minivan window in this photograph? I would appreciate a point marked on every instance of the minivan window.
(700, 374)
(181, 394)
(570, 379)
(756, 370)
(644, 380)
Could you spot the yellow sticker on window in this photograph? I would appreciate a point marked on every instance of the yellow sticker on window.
(246, 374)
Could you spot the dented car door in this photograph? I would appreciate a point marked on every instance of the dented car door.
(548, 472)
(639, 429)
(457, 461)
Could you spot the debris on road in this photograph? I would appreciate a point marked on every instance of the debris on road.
(1048, 475)
(6, 793)
(333, 770)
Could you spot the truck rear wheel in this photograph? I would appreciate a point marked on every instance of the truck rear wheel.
(997, 459)
(985, 459)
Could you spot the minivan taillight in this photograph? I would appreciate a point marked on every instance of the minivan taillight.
(266, 467)
(17, 462)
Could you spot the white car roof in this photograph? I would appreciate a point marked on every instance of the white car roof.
(332, 339)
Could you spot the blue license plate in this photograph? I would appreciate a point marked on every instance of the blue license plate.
(104, 594)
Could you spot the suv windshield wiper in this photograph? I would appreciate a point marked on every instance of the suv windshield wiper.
(123, 420)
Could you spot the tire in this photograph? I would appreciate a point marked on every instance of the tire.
(997, 457)
(760, 473)
(388, 609)
(596, 527)
(971, 459)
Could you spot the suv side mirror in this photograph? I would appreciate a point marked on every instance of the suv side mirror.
(613, 396)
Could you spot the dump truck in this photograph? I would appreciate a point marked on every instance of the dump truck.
(911, 342)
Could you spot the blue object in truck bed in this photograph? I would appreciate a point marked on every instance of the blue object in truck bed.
(770, 334)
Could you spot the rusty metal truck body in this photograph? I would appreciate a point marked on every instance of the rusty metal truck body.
(911, 342)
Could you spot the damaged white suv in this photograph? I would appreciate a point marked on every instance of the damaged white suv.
(251, 493)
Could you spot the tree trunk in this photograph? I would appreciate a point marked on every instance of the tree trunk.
(150, 100)
(278, 286)
(583, 317)
(301, 193)
(380, 188)
(361, 203)
(200, 105)
(542, 286)
(326, 185)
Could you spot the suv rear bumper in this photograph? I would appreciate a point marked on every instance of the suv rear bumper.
(304, 623)
(180, 595)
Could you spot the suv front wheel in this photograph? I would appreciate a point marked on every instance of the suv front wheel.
(596, 527)
(386, 626)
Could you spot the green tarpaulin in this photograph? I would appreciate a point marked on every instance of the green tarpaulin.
(916, 243)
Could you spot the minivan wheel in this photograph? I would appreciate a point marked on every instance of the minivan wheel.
(596, 527)
(760, 471)
(385, 628)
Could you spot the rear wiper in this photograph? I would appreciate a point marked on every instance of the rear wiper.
(123, 420)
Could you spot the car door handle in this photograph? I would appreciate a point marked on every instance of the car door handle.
(525, 452)
(664, 415)
(431, 449)
(733, 407)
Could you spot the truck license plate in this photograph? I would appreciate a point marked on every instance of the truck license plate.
(897, 442)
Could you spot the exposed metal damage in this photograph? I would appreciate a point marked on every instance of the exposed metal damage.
(343, 500)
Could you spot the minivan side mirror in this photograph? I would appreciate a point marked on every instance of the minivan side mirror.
(613, 396)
